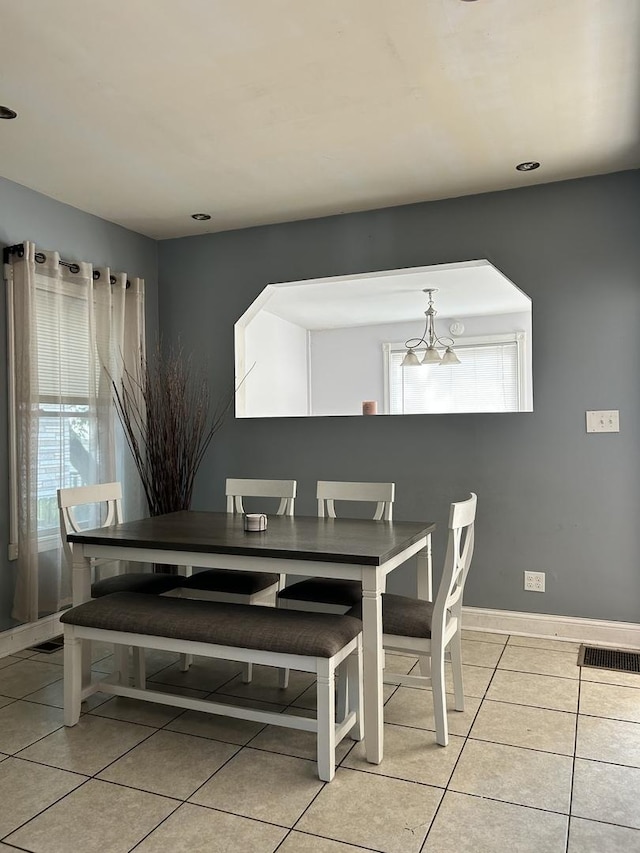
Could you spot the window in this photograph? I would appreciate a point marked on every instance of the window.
(488, 379)
(70, 328)
(67, 424)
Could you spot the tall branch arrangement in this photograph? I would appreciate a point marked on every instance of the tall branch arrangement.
(168, 420)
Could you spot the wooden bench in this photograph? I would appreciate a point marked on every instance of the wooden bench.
(310, 642)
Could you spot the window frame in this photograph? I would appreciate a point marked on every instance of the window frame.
(518, 337)
(48, 538)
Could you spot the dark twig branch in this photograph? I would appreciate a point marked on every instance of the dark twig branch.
(169, 422)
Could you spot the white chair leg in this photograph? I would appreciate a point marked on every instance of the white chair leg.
(455, 649)
(185, 662)
(247, 673)
(86, 664)
(342, 691)
(439, 698)
(72, 676)
(283, 674)
(326, 719)
(139, 668)
(424, 663)
(121, 663)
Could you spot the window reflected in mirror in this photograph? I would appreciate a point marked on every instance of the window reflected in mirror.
(423, 340)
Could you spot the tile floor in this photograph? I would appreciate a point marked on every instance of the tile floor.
(545, 758)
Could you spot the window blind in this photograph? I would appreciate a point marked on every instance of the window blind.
(67, 449)
(62, 323)
(486, 380)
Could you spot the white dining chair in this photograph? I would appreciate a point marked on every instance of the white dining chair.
(238, 587)
(107, 499)
(433, 630)
(334, 595)
(102, 503)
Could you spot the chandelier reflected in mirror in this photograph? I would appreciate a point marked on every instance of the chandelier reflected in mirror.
(430, 341)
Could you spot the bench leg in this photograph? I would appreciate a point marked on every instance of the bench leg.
(72, 676)
(326, 718)
(185, 662)
(247, 673)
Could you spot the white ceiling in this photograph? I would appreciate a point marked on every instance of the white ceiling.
(465, 289)
(258, 111)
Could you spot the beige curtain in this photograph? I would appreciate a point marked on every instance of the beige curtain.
(74, 327)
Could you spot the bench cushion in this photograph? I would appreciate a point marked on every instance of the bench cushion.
(151, 584)
(243, 626)
(226, 580)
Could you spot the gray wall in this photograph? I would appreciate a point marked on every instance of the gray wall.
(551, 497)
(28, 215)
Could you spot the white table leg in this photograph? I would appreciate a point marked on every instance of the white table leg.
(373, 663)
(425, 592)
(81, 591)
(425, 572)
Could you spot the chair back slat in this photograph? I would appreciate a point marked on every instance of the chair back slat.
(382, 494)
(72, 499)
(460, 544)
(94, 494)
(237, 489)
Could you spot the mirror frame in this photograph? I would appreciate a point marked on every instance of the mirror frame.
(259, 303)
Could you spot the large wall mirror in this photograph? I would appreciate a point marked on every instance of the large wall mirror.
(445, 338)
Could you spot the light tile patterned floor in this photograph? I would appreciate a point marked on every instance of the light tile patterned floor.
(544, 759)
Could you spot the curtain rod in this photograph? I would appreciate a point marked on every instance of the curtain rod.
(40, 257)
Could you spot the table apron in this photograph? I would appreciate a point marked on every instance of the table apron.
(311, 568)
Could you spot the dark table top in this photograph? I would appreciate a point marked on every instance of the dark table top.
(338, 540)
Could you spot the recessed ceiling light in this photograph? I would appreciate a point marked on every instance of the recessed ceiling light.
(528, 166)
(7, 112)
(201, 217)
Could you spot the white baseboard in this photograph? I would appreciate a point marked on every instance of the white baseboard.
(618, 634)
(17, 639)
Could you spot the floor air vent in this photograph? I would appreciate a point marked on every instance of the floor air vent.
(621, 660)
(49, 646)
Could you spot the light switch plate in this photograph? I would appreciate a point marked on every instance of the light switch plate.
(605, 421)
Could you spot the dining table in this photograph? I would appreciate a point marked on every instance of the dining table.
(356, 549)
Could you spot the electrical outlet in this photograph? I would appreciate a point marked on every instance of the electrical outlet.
(534, 581)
